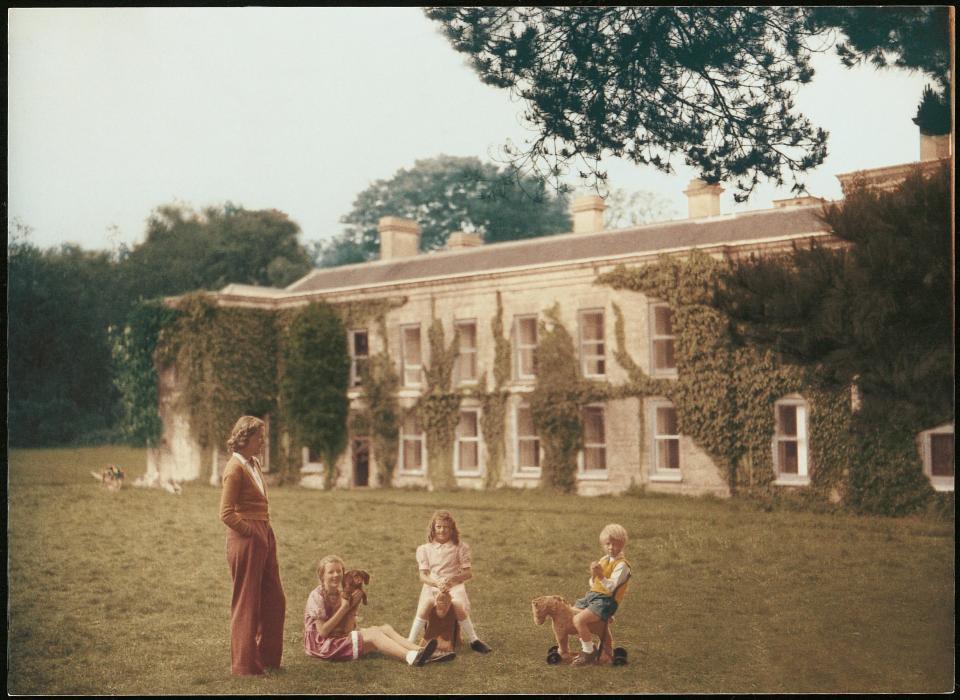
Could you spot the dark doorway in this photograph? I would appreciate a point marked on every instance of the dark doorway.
(361, 461)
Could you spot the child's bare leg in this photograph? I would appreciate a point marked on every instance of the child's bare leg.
(583, 620)
(395, 636)
(377, 640)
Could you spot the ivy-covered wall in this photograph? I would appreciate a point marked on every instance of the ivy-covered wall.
(232, 361)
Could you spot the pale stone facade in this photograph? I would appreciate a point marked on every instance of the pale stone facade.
(627, 444)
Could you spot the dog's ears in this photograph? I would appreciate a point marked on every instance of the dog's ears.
(365, 576)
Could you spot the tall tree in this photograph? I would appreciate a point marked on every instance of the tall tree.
(447, 194)
(185, 250)
(60, 303)
(877, 312)
(712, 84)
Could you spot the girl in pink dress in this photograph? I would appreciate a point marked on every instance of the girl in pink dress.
(324, 637)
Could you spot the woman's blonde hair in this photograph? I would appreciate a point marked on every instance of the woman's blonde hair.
(444, 515)
(244, 429)
(617, 533)
(325, 562)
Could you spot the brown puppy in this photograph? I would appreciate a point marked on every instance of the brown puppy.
(353, 580)
(561, 613)
(441, 625)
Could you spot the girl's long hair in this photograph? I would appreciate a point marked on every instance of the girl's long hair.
(444, 515)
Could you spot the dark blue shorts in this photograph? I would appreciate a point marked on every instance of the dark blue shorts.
(603, 606)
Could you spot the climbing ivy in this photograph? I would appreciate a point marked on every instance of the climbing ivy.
(494, 413)
(439, 406)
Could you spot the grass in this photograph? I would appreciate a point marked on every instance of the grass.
(128, 593)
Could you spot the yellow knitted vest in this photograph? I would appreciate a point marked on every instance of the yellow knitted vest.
(608, 564)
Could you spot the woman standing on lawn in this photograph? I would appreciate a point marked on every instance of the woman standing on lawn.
(258, 605)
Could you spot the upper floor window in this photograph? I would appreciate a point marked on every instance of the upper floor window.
(359, 355)
(666, 441)
(465, 370)
(594, 441)
(467, 453)
(592, 357)
(938, 453)
(411, 444)
(411, 355)
(526, 343)
(790, 441)
(662, 340)
(528, 443)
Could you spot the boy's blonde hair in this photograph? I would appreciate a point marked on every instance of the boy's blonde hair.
(244, 429)
(444, 515)
(617, 533)
(327, 561)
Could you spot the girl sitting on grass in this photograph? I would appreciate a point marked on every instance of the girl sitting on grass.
(444, 563)
(325, 638)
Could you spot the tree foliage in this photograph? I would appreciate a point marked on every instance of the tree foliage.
(878, 312)
(313, 388)
(444, 195)
(911, 38)
(186, 250)
(715, 85)
(60, 303)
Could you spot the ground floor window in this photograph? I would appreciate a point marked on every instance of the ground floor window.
(937, 448)
(594, 455)
(790, 461)
(412, 459)
(528, 443)
(665, 458)
(466, 460)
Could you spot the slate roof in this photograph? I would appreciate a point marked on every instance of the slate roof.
(571, 247)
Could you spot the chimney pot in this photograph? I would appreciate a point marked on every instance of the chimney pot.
(703, 199)
(587, 213)
(399, 238)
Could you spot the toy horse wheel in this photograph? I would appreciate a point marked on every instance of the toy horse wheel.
(619, 656)
(553, 655)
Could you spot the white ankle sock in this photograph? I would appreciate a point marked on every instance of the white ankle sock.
(411, 657)
(586, 646)
(468, 630)
(416, 629)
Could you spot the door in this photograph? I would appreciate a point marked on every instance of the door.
(361, 461)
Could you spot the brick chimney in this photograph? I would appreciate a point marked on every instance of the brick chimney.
(399, 238)
(587, 213)
(804, 201)
(462, 239)
(703, 199)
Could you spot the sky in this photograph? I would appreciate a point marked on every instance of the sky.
(114, 112)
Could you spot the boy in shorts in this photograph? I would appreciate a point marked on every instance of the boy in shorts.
(608, 586)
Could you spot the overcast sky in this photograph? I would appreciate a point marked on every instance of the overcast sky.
(113, 112)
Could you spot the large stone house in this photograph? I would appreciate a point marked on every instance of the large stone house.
(626, 441)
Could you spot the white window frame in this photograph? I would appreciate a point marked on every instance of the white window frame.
(458, 373)
(421, 439)
(939, 483)
(520, 470)
(518, 348)
(582, 471)
(407, 366)
(657, 474)
(802, 477)
(655, 338)
(459, 439)
(587, 353)
(355, 379)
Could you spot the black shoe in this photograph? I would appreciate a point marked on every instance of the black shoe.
(426, 651)
(477, 645)
(442, 656)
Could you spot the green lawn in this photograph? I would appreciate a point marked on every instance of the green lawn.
(129, 593)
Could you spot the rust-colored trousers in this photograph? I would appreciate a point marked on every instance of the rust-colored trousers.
(258, 607)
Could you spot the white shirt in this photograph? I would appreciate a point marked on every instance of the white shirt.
(252, 471)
